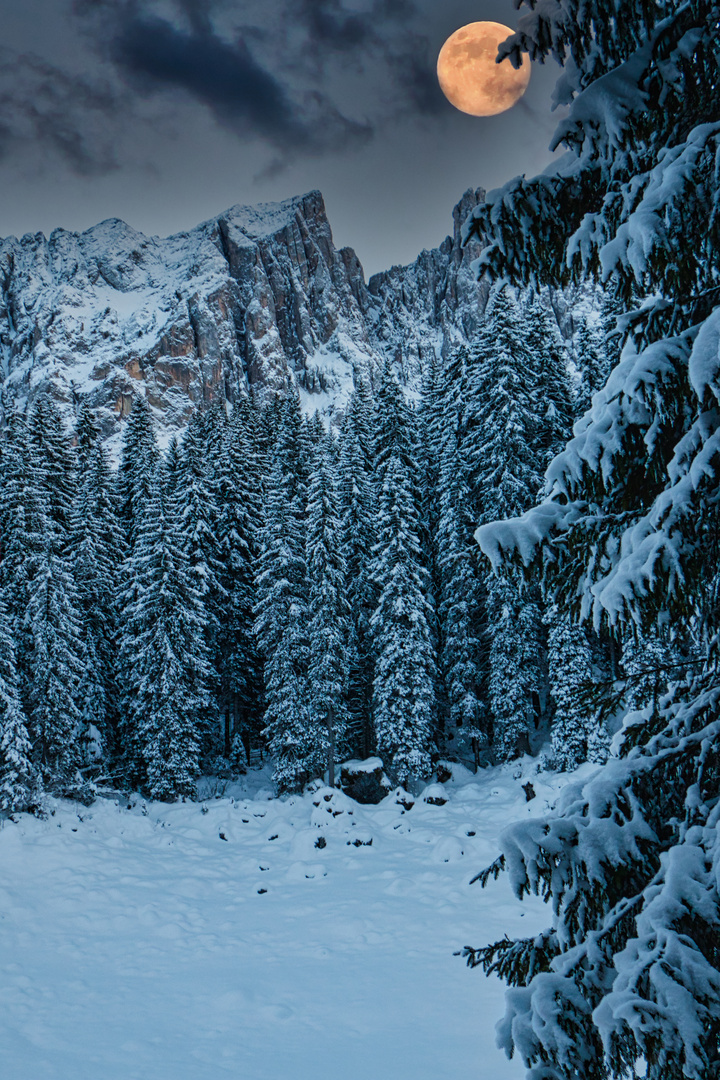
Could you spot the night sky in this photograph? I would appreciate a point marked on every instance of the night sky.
(166, 112)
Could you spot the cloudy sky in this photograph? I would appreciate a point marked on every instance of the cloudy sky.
(165, 112)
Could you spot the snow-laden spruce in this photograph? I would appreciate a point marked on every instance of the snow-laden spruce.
(404, 670)
(627, 977)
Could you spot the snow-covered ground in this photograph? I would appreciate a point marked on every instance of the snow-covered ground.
(201, 941)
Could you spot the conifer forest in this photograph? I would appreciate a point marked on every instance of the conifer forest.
(268, 587)
(494, 593)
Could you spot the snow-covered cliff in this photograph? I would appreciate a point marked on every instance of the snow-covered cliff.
(257, 297)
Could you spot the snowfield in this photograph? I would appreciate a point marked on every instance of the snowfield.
(257, 938)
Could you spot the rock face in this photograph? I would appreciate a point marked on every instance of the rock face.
(257, 297)
(435, 303)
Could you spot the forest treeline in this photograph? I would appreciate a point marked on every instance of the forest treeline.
(266, 584)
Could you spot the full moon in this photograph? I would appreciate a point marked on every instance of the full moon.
(469, 77)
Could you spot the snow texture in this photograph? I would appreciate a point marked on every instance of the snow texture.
(198, 941)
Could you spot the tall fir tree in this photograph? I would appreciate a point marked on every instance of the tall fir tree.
(165, 659)
(405, 662)
(328, 614)
(56, 662)
(502, 451)
(550, 380)
(281, 627)
(240, 487)
(138, 463)
(358, 526)
(462, 610)
(578, 732)
(196, 510)
(56, 475)
(97, 552)
(19, 788)
(627, 534)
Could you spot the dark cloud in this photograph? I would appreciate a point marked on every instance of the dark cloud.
(225, 76)
(44, 108)
(278, 78)
(332, 27)
(417, 75)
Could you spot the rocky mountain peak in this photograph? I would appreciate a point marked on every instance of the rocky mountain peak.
(258, 297)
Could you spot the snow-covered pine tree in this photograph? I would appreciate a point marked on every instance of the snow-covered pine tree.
(97, 551)
(461, 610)
(360, 416)
(172, 465)
(628, 532)
(55, 655)
(404, 706)
(86, 434)
(239, 484)
(502, 424)
(56, 467)
(291, 449)
(164, 658)
(328, 614)
(39, 591)
(196, 510)
(18, 516)
(588, 356)
(19, 789)
(578, 733)
(357, 509)
(502, 415)
(138, 462)
(281, 627)
(551, 384)
(395, 434)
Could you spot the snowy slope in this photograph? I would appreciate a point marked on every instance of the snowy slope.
(257, 297)
(194, 942)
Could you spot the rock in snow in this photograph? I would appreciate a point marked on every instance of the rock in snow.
(258, 297)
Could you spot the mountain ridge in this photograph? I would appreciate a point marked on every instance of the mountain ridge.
(257, 298)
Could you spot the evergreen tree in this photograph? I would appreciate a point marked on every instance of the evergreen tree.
(462, 613)
(394, 430)
(164, 657)
(502, 416)
(589, 360)
(628, 976)
(138, 463)
(551, 385)
(328, 615)
(357, 509)
(281, 628)
(515, 676)
(197, 513)
(239, 486)
(172, 467)
(18, 780)
(360, 416)
(577, 732)
(405, 662)
(97, 552)
(56, 662)
(38, 588)
(20, 535)
(55, 464)
(502, 448)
